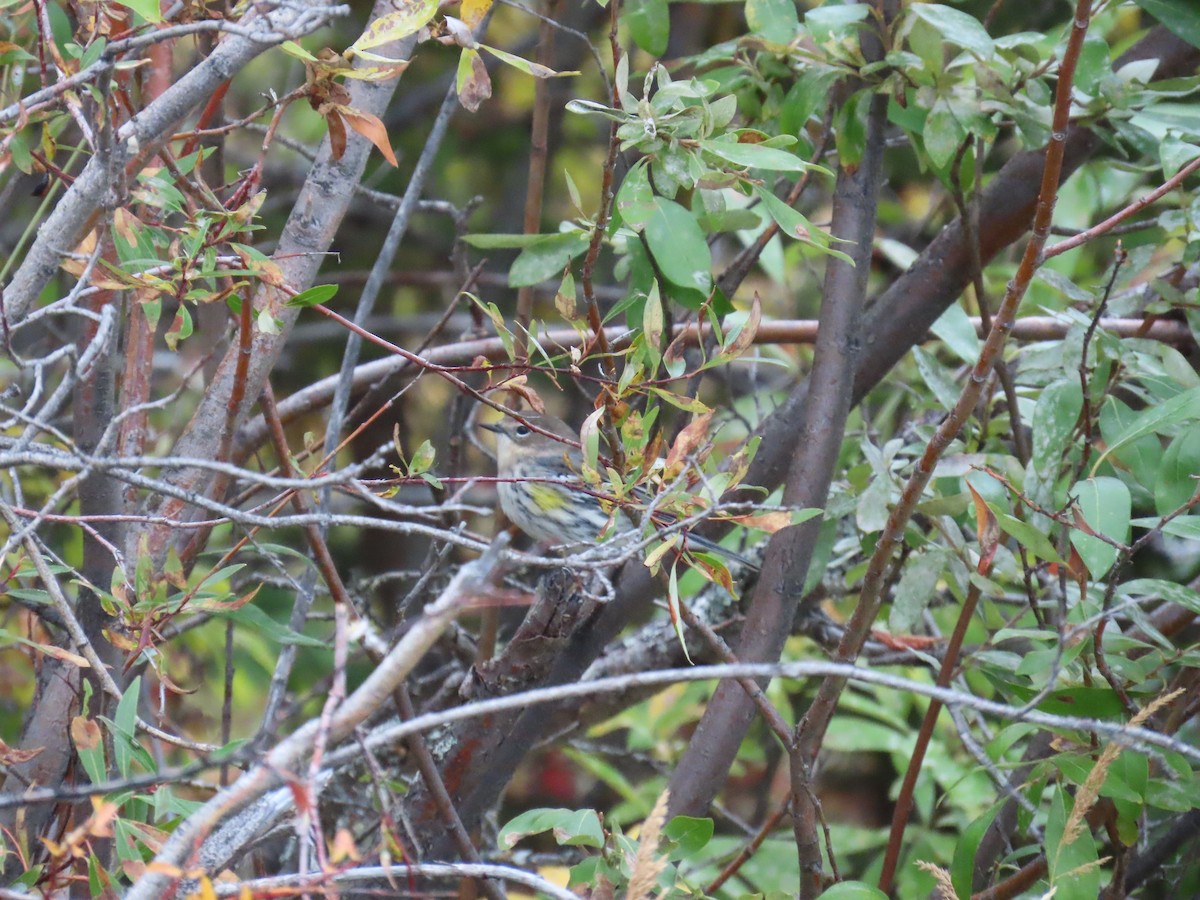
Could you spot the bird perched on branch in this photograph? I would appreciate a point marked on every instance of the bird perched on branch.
(543, 493)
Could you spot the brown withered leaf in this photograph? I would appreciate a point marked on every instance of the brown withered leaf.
(104, 813)
(371, 127)
(337, 131)
(473, 84)
(745, 337)
(770, 522)
(11, 756)
(526, 393)
(987, 530)
(689, 441)
(85, 733)
(225, 606)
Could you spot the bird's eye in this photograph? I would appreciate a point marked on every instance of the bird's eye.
(522, 431)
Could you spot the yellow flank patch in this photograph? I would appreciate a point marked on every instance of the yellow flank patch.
(546, 497)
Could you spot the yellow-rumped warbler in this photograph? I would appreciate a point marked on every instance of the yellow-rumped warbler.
(542, 493)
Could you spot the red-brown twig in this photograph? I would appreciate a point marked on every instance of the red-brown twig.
(1117, 218)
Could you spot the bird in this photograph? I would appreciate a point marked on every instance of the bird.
(542, 492)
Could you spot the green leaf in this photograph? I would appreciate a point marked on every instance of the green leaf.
(678, 246)
(125, 724)
(546, 258)
(653, 323)
(809, 94)
(853, 890)
(1176, 482)
(497, 318)
(537, 70)
(831, 23)
(213, 579)
(757, 156)
(962, 870)
(936, 378)
(1156, 588)
(957, 332)
(1033, 540)
(92, 55)
(317, 294)
(1175, 154)
(291, 48)
(266, 322)
(774, 20)
(575, 828)
(691, 834)
(592, 108)
(91, 757)
(422, 459)
(147, 9)
(250, 616)
(1054, 421)
(1186, 527)
(687, 404)
(1182, 409)
(649, 24)
(490, 241)
(181, 327)
(1072, 858)
(1143, 457)
(956, 26)
(792, 223)
(943, 134)
(635, 200)
(1181, 17)
(1097, 703)
(1106, 506)
(917, 589)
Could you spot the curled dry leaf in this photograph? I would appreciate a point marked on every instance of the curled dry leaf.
(12, 756)
(689, 441)
(460, 32)
(369, 126)
(745, 337)
(770, 522)
(523, 391)
(987, 530)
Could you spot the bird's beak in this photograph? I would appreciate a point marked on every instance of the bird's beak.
(495, 429)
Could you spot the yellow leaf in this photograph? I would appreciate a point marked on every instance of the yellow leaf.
(409, 17)
(64, 655)
(78, 261)
(473, 11)
(376, 73)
